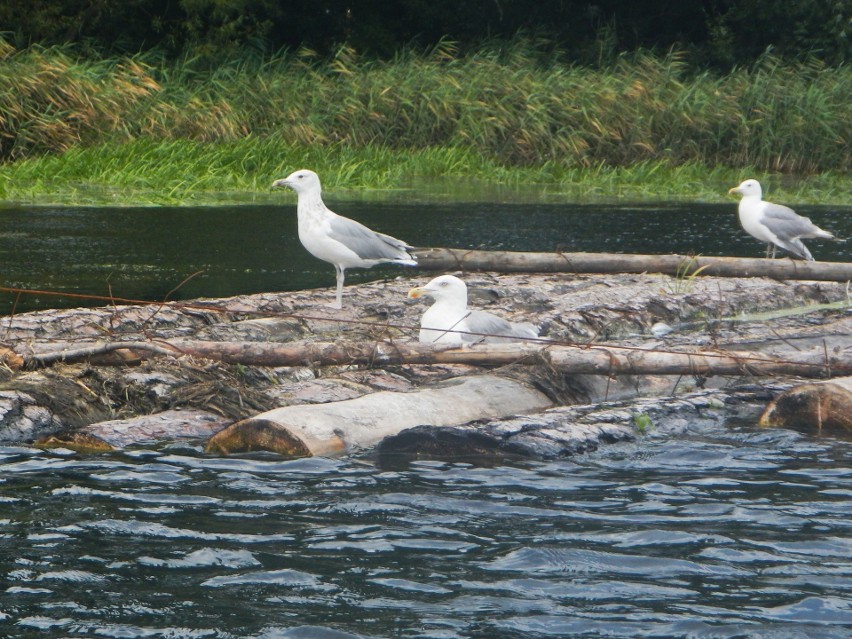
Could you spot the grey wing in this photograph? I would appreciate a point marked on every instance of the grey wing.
(786, 223)
(496, 328)
(367, 244)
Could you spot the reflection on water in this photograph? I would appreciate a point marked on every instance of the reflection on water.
(715, 533)
(144, 253)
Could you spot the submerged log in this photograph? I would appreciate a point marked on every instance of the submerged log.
(339, 427)
(830, 355)
(812, 407)
(439, 259)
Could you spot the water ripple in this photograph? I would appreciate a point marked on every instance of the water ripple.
(724, 533)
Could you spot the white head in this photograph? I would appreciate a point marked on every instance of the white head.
(301, 181)
(446, 288)
(749, 188)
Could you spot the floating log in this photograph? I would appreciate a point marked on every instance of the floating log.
(339, 427)
(439, 259)
(832, 355)
(812, 407)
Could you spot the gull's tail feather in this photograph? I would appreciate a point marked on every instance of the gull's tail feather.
(825, 235)
(797, 248)
(403, 255)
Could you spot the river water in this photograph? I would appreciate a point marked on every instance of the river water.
(709, 532)
(146, 253)
(723, 533)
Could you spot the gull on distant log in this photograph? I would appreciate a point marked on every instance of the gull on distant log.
(449, 314)
(776, 225)
(337, 239)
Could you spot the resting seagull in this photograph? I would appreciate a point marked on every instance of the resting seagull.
(337, 239)
(777, 225)
(450, 313)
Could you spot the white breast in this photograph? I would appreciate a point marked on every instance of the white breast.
(437, 320)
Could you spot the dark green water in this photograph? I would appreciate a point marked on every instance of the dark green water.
(144, 253)
(705, 533)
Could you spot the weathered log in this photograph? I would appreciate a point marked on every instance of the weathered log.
(833, 355)
(168, 425)
(338, 427)
(439, 259)
(815, 406)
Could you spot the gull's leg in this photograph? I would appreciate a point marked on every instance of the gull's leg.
(339, 297)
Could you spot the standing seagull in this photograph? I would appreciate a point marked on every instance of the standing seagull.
(449, 314)
(777, 225)
(337, 239)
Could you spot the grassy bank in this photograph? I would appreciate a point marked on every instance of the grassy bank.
(135, 130)
(143, 172)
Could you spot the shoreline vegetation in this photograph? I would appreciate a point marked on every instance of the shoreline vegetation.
(514, 119)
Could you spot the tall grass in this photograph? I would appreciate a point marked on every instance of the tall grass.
(513, 106)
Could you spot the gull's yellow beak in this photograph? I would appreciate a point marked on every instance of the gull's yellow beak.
(735, 189)
(416, 292)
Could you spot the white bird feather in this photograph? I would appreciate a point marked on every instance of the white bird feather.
(776, 225)
(336, 239)
(449, 321)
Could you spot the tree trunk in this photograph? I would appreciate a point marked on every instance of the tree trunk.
(440, 259)
(338, 427)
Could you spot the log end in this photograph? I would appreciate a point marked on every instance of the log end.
(250, 435)
(10, 358)
(811, 408)
(77, 441)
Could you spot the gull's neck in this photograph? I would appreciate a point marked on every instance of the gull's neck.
(310, 201)
(457, 306)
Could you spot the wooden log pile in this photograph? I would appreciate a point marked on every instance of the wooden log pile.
(237, 363)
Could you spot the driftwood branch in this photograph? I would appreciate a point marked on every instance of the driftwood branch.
(677, 265)
(822, 360)
(85, 353)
